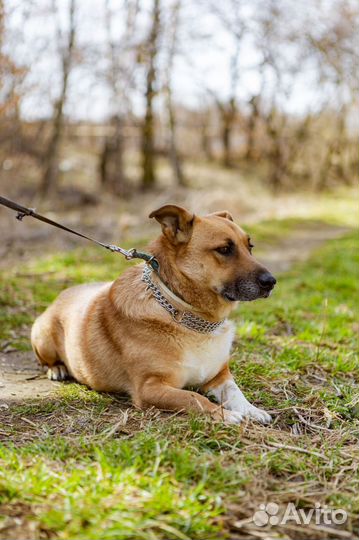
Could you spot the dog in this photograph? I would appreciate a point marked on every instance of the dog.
(157, 335)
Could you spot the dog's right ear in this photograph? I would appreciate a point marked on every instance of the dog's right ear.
(223, 213)
(176, 223)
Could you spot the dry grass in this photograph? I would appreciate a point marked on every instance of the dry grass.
(89, 465)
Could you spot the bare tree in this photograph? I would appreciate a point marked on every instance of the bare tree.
(10, 74)
(295, 140)
(334, 50)
(50, 176)
(204, 119)
(119, 77)
(172, 120)
(228, 115)
(111, 165)
(230, 16)
(14, 140)
(148, 137)
(274, 66)
(253, 118)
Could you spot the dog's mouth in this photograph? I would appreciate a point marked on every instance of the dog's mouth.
(266, 292)
(245, 292)
(228, 296)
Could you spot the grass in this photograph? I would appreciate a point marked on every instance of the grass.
(88, 465)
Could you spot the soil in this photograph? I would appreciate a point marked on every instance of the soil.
(22, 379)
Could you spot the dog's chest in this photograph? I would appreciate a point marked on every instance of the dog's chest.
(204, 356)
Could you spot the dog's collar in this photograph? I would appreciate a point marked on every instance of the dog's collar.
(184, 317)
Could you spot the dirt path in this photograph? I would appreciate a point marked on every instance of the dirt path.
(298, 246)
(21, 379)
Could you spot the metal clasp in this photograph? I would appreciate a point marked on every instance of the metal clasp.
(130, 254)
(30, 212)
(178, 315)
(20, 216)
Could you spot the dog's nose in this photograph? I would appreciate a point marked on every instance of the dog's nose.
(266, 280)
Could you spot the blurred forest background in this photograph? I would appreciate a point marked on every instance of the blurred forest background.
(110, 100)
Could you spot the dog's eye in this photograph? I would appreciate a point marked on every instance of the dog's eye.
(225, 250)
(250, 246)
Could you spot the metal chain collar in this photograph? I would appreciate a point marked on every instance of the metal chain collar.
(185, 318)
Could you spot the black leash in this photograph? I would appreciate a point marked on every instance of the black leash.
(22, 211)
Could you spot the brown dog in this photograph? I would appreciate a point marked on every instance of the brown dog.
(152, 335)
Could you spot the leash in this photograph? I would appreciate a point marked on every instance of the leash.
(130, 254)
(185, 318)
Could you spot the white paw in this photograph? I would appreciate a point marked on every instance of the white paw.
(232, 417)
(257, 414)
(57, 373)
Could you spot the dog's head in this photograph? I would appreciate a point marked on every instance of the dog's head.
(213, 253)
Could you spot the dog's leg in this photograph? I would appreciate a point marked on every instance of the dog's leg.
(225, 391)
(44, 347)
(156, 393)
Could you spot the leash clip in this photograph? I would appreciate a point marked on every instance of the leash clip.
(150, 260)
(20, 215)
(130, 254)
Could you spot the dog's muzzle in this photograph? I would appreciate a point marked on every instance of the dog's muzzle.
(250, 288)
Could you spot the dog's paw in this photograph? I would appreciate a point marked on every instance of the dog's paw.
(232, 417)
(226, 416)
(258, 414)
(57, 373)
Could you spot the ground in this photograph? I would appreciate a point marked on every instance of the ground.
(79, 464)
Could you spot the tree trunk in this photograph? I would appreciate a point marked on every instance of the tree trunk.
(251, 128)
(276, 155)
(148, 146)
(173, 152)
(112, 175)
(50, 176)
(228, 113)
(172, 121)
(277, 169)
(333, 162)
(226, 142)
(206, 139)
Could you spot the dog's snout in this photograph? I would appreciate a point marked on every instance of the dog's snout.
(266, 280)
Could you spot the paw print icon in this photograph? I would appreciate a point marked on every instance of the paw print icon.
(267, 514)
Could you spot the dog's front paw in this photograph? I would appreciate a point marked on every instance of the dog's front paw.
(232, 417)
(58, 373)
(226, 416)
(258, 414)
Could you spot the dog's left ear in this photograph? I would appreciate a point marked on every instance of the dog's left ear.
(224, 214)
(176, 223)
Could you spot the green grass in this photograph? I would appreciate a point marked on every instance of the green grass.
(88, 465)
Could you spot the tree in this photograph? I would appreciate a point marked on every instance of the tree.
(171, 112)
(119, 78)
(50, 176)
(333, 48)
(11, 75)
(148, 138)
(230, 16)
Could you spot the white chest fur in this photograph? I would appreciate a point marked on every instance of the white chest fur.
(205, 355)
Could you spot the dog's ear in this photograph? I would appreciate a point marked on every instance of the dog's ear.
(176, 222)
(224, 214)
